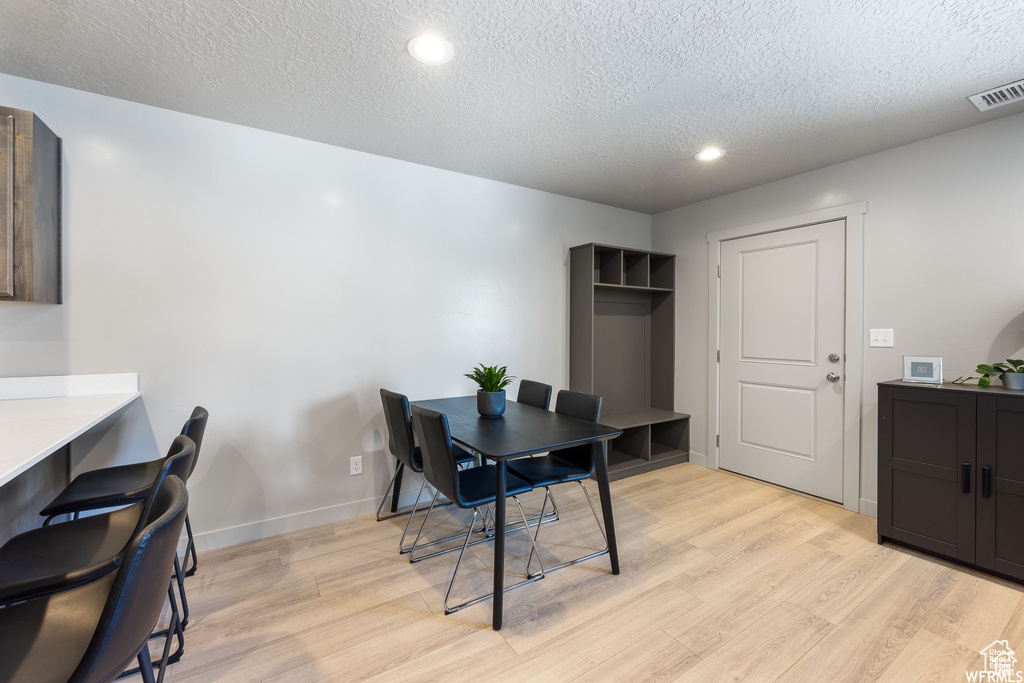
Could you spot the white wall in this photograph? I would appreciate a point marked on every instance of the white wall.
(280, 283)
(944, 216)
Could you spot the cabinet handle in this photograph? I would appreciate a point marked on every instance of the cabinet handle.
(986, 482)
(965, 470)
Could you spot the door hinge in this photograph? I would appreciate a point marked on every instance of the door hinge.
(719, 272)
(718, 440)
(718, 356)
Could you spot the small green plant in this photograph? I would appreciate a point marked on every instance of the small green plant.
(987, 372)
(491, 378)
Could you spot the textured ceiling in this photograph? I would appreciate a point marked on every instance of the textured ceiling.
(606, 100)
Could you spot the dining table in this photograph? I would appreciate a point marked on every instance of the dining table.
(521, 431)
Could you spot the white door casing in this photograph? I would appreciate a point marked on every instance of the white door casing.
(782, 317)
(854, 216)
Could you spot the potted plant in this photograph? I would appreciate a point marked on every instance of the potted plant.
(1011, 372)
(492, 380)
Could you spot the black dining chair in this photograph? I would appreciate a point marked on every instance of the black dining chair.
(62, 556)
(467, 489)
(575, 463)
(126, 484)
(402, 444)
(93, 632)
(536, 394)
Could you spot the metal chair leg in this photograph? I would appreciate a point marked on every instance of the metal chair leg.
(401, 542)
(529, 578)
(383, 498)
(190, 549)
(416, 544)
(600, 526)
(174, 629)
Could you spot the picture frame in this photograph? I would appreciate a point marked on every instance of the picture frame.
(926, 369)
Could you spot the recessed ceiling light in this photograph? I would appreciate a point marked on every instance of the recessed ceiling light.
(430, 49)
(710, 154)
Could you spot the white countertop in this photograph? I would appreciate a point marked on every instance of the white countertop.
(33, 427)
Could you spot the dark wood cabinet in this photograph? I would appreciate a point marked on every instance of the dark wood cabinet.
(951, 472)
(622, 348)
(30, 209)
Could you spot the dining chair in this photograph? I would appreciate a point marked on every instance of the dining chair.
(92, 632)
(536, 394)
(467, 488)
(126, 484)
(62, 556)
(402, 444)
(575, 463)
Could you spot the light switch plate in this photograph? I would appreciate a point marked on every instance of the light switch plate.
(881, 338)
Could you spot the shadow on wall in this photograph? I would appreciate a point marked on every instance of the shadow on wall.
(336, 431)
(117, 441)
(231, 483)
(1009, 343)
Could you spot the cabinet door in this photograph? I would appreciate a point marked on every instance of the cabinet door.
(6, 205)
(926, 469)
(1001, 484)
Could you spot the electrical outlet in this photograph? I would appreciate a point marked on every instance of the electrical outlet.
(881, 338)
(355, 465)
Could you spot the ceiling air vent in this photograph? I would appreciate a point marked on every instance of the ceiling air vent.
(997, 97)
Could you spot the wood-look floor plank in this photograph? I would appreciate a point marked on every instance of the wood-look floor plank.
(910, 595)
(854, 651)
(723, 578)
(764, 650)
(658, 657)
(837, 591)
(928, 658)
(581, 649)
(974, 613)
(705, 628)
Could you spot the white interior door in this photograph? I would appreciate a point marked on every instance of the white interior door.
(781, 372)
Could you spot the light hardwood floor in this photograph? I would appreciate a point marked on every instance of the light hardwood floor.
(723, 579)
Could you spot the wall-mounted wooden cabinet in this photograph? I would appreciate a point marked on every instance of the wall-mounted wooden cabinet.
(951, 472)
(622, 348)
(30, 209)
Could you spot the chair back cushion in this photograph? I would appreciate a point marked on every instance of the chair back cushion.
(400, 438)
(577, 404)
(536, 394)
(585, 407)
(180, 456)
(194, 429)
(140, 588)
(439, 465)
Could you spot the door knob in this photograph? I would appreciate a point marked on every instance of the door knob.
(833, 358)
(832, 377)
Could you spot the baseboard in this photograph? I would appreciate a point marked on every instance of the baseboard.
(221, 538)
(698, 458)
(869, 508)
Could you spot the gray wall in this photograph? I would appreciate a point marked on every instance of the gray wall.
(943, 224)
(280, 283)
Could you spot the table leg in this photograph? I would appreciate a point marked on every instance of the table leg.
(396, 490)
(601, 470)
(499, 543)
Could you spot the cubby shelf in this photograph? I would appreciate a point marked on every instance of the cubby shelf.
(622, 347)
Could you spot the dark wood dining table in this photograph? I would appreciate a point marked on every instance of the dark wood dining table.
(525, 430)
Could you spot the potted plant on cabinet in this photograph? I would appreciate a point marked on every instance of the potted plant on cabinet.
(492, 380)
(1011, 372)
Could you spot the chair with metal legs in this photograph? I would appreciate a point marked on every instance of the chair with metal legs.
(467, 489)
(565, 465)
(126, 484)
(536, 394)
(402, 444)
(93, 631)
